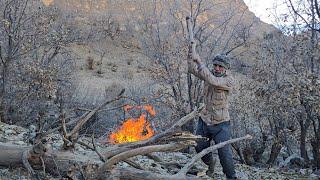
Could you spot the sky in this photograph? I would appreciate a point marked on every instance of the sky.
(264, 9)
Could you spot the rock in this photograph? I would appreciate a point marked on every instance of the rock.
(4, 172)
(272, 169)
(317, 173)
(19, 143)
(313, 177)
(8, 132)
(114, 68)
(293, 161)
(57, 144)
(242, 175)
(79, 148)
(22, 135)
(303, 171)
(18, 129)
(32, 128)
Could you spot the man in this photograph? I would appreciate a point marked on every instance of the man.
(214, 122)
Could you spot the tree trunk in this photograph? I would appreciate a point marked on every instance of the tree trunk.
(2, 93)
(303, 150)
(56, 163)
(315, 143)
(303, 136)
(275, 150)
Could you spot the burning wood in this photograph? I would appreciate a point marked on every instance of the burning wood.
(134, 129)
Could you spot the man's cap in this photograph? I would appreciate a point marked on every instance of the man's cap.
(222, 60)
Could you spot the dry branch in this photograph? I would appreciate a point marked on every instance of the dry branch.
(87, 117)
(133, 164)
(154, 157)
(143, 151)
(189, 165)
(51, 131)
(96, 150)
(27, 165)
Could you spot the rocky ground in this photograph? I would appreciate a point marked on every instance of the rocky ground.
(21, 136)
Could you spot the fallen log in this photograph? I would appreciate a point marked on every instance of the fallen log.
(56, 162)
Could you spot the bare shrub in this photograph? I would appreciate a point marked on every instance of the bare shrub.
(90, 63)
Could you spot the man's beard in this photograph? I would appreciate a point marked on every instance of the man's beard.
(222, 74)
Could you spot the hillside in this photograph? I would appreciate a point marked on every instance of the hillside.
(79, 77)
(116, 71)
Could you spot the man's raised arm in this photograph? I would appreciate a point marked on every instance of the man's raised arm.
(198, 68)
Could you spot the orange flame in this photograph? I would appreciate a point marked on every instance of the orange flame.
(134, 129)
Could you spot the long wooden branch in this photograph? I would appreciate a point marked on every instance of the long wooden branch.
(143, 151)
(176, 138)
(192, 45)
(197, 157)
(68, 124)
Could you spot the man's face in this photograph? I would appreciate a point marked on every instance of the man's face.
(218, 69)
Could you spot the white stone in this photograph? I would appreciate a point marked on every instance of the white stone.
(19, 143)
(9, 132)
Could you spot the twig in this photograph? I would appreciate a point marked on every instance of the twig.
(133, 164)
(43, 165)
(96, 150)
(81, 171)
(27, 165)
(85, 145)
(154, 157)
(90, 114)
(68, 123)
(109, 109)
(56, 165)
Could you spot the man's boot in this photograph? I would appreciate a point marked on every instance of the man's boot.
(211, 166)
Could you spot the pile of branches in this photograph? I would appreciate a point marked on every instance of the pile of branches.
(67, 163)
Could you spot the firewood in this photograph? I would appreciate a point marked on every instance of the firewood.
(142, 151)
(197, 157)
(116, 149)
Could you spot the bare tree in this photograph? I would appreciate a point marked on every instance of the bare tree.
(34, 60)
(163, 37)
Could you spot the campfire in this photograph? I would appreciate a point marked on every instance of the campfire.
(134, 129)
